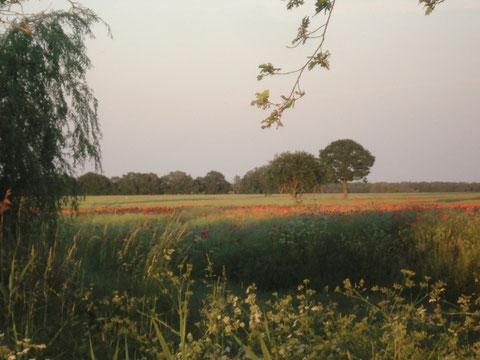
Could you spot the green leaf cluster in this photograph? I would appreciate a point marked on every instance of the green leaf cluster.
(294, 3)
(320, 59)
(323, 5)
(262, 100)
(266, 70)
(302, 35)
(430, 5)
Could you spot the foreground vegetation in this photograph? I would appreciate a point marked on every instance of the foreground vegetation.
(177, 282)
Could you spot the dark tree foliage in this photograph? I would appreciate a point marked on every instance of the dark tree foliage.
(237, 185)
(404, 187)
(95, 184)
(294, 173)
(346, 160)
(146, 183)
(214, 183)
(48, 114)
(178, 182)
(125, 186)
(134, 183)
(254, 181)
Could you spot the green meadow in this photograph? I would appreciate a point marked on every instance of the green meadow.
(276, 199)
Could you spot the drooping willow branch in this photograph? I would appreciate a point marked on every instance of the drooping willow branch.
(319, 57)
(12, 13)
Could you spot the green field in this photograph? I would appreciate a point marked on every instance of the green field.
(260, 199)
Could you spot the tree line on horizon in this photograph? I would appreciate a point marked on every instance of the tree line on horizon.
(293, 173)
(253, 182)
(175, 182)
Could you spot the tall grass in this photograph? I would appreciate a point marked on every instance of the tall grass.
(61, 294)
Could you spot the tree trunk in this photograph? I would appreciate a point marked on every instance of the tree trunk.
(345, 189)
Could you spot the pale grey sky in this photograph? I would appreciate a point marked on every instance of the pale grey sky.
(176, 81)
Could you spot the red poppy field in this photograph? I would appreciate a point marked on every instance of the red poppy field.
(325, 239)
(244, 206)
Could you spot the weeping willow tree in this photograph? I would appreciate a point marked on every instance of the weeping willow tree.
(48, 114)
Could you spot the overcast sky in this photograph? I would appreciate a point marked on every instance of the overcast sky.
(176, 81)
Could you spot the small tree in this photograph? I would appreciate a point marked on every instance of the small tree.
(294, 173)
(346, 160)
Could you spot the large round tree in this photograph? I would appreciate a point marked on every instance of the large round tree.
(346, 160)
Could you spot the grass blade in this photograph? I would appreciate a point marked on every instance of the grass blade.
(92, 354)
(115, 354)
(248, 351)
(163, 343)
(11, 277)
(265, 352)
(270, 340)
(126, 349)
(22, 274)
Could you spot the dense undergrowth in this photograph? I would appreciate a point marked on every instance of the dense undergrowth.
(161, 287)
(373, 246)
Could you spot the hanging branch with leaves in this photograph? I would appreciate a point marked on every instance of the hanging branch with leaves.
(13, 14)
(318, 58)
